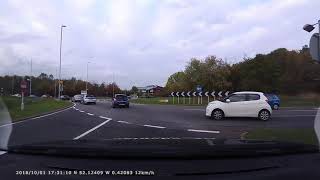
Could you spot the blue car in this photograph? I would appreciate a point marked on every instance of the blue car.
(273, 100)
(120, 100)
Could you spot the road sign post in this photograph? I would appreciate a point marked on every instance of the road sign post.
(178, 97)
(172, 94)
(23, 86)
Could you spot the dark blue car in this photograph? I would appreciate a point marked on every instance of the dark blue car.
(120, 100)
(273, 100)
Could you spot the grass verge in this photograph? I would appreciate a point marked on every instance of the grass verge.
(306, 136)
(32, 107)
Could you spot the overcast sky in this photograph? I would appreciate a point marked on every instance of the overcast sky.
(142, 42)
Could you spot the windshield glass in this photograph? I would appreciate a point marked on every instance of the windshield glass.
(193, 70)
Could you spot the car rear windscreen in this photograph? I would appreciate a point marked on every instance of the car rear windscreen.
(121, 98)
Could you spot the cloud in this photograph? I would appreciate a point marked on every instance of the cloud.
(142, 42)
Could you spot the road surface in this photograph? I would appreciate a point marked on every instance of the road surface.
(100, 121)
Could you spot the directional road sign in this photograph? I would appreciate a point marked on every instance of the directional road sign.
(220, 94)
(194, 94)
(172, 93)
(188, 93)
(177, 93)
(206, 93)
(182, 94)
(200, 94)
(213, 94)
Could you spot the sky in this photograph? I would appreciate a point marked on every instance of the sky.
(143, 42)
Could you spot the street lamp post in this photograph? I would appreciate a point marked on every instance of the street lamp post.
(309, 28)
(30, 78)
(59, 90)
(87, 77)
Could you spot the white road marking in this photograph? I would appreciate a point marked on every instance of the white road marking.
(204, 131)
(90, 114)
(92, 129)
(302, 110)
(194, 109)
(160, 127)
(81, 111)
(2, 152)
(210, 142)
(306, 115)
(76, 109)
(162, 138)
(35, 118)
(103, 117)
(124, 122)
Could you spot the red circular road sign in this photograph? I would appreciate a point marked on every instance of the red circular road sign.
(23, 85)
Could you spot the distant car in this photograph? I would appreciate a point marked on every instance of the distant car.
(65, 97)
(120, 100)
(273, 100)
(241, 104)
(88, 99)
(77, 98)
(16, 95)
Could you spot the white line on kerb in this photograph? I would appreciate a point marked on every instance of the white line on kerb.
(204, 131)
(160, 127)
(194, 109)
(90, 114)
(35, 118)
(124, 122)
(92, 129)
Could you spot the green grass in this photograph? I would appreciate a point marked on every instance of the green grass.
(300, 100)
(157, 100)
(309, 100)
(306, 136)
(32, 107)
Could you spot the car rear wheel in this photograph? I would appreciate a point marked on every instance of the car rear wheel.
(264, 115)
(217, 114)
(276, 106)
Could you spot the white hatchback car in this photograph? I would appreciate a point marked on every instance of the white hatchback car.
(241, 104)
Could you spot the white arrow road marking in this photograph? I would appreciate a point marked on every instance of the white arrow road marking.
(90, 114)
(160, 127)
(204, 131)
(125, 122)
(92, 129)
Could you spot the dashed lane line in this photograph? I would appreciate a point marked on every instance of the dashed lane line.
(125, 122)
(102, 117)
(203, 131)
(160, 127)
(92, 129)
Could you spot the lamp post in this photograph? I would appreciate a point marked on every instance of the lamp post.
(62, 26)
(309, 28)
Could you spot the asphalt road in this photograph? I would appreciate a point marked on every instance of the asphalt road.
(145, 121)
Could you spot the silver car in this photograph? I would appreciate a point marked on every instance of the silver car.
(77, 98)
(88, 99)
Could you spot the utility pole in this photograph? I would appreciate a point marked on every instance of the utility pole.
(55, 84)
(30, 78)
(87, 77)
(113, 85)
(12, 85)
(62, 26)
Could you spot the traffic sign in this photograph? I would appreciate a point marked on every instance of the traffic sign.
(172, 93)
(213, 94)
(226, 93)
(220, 94)
(188, 93)
(177, 93)
(23, 85)
(206, 93)
(200, 94)
(314, 47)
(199, 88)
(194, 94)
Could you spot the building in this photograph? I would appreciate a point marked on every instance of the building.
(149, 91)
